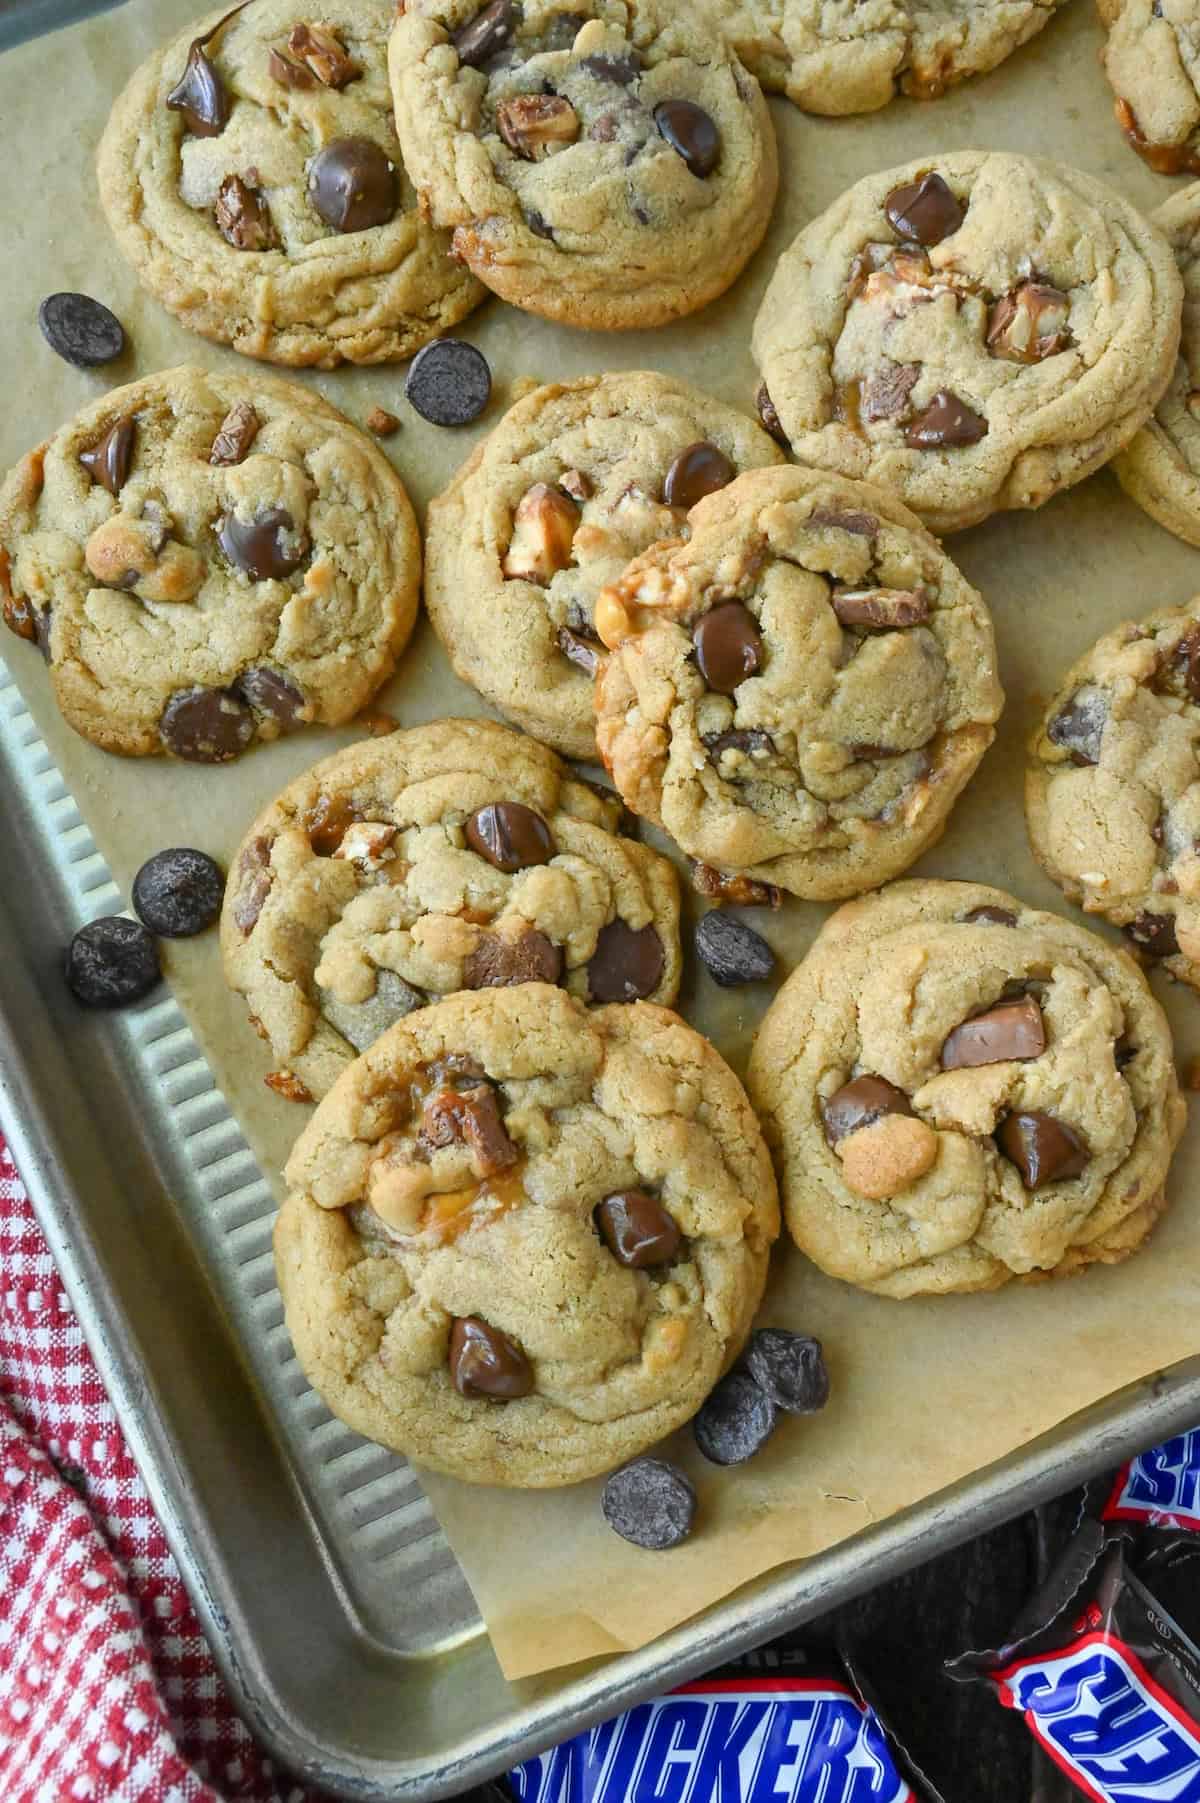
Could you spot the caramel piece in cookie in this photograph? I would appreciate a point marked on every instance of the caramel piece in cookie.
(883, 1159)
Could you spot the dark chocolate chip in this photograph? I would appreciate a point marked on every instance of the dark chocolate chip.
(509, 835)
(691, 133)
(790, 1367)
(860, 1103)
(1154, 934)
(352, 185)
(627, 964)
(1079, 727)
(749, 739)
(650, 1504)
(1012, 1030)
(267, 692)
(485, 1363)
(266, 547)
(80, 330)
(736, 1420)
(107, 461)
(637, 1229)
(206, 726)
(621, 70)
(242, 216)
(728, 644)
(178, 892)
(488, 32)
(992, 917)
(111, 962)
(578, 650)
(925, 211)
(769, 416)
(200, 94)
(449, 382)
(699, 470)
(947, 422)
(235, 435)
(732, 953)
(1043, 1149)
(499, 961)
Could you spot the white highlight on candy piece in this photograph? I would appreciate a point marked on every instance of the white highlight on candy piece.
(1103, 1719)
(1162, 1487)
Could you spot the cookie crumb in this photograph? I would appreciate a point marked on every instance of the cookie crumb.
(288, 1085)
(381, 422)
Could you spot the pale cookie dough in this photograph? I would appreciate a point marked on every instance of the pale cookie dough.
(215, 208)
(571, 485)
(460, 1171)
(1112, 793)
(607, 163)
(975, 331)
(1152, 60)
(365, 890)
(800, 690)
(961, 1090)
(205, 559)
(852, 56)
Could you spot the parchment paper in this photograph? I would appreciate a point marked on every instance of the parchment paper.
(924, 1392)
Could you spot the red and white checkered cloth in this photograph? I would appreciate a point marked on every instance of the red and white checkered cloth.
(108, 1690)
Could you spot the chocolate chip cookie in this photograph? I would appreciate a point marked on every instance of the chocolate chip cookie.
(801, 689)
(608, 164)
(205, 560)
(1112, 793)
(458, 855)
(1152, 60)
(975, 332)
(252, 176)
(961, 1090)
(525, 1239)
(847, 56)
(575, 480)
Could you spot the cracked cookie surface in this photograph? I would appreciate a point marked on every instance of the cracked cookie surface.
(801, 689)
(206, 559)
(457, 855)
(570, 486)
(975, 331)
(607, 163)
(961, 1090)
(268, 207)
(1112, 792)
(455, 1261)
(1152, 60)
(852, 56)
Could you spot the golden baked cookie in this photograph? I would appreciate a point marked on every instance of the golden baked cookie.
(961, 1090)
(609, 163)
(252, 176)
(208, 559)
(1152, 60)
(525, 1239)
(801, 688)
(457, 855)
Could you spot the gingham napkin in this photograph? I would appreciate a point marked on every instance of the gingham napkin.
(108, 1690)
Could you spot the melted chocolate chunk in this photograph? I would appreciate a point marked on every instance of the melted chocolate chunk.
(925, 211)
(880, 609)
(1079, 727)
(736, 887)
(254, 880)
(509, 835)
(200, 94)
(1012, 1030)
(108, 461)
(352, 185)
(498, 961)
(729, 647)
(884, 394)
(750, 739)
(206, 726)
(691, 133)
(860, 1103)
(621, 70)
(270, 693)
(627, 964)
(649, 1503)
(947, 423)
(488, 32)
(485, 1363)
(81, 330)
(699, 470)
(242, 217)
(470, 1117)
(235, 435)
(261, 546)
(989, 916)
(1154, 934)
(637, 1229)
(1044, 1149)
(862, 525)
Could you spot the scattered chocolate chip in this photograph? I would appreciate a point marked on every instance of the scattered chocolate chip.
(925, 211)
(637, 1229)
(470, 1117)
(1154, 934)
(266, 547)
(200, 94)
(992, 917)
(488, 32)
(728, 644)
(734, 886)
(736, 1420)
(732, 953)
(1079, 727)
(268, 692)
(509, 835)
(860, 1103)
(770, 418)
(699, 470)
(178, 892)
(1029, 324)
(317, 49)
(622, 70)
(1043, 1149)
(578, 650)
(748, 739)
(108, 461)
(690, 132)
(327, 821)
(111, 962)
(532, 125)
(790, 1367)
(352, 185)
(862, 525)
(946, 422)
(206, 726)
(649, 1503)
(627, 964)
(235, 435)
(449, 382)
(242, 217)
(362, 1022)
(81, 330)
(1011, 1030)
(382, 423)
(884, 394)
(880, 609)
(498, 961)
(485, 1363)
